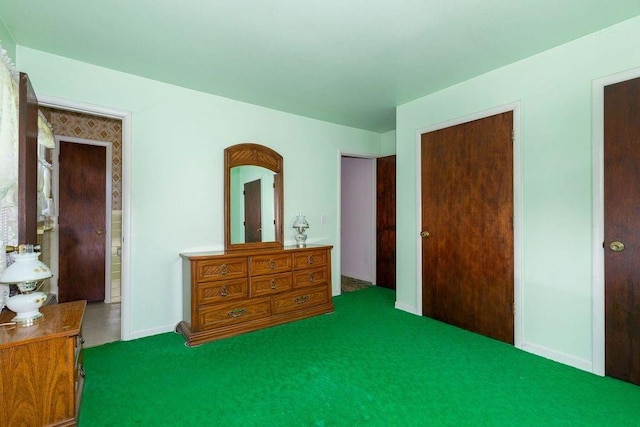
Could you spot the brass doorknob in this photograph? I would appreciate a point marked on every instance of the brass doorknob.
(424, 233)
(616, 246)
(100, 231)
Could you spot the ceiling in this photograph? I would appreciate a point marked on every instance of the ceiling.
(349, 62)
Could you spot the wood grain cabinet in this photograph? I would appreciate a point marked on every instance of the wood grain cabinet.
(41, 366)
(226, 294)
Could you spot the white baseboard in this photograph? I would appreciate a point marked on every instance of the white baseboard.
(565, 359)
(407, 308)
(149, 332)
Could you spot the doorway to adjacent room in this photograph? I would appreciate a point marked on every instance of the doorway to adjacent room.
(102, 130)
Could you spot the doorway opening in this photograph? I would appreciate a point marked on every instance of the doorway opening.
(357, 223)
(108, 319)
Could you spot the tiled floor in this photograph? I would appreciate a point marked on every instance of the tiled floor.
(101, 324)
(349, 284)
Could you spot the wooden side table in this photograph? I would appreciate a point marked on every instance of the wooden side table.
(41, 373)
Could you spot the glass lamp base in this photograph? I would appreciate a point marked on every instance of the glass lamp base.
(26, 307)
(22, 320)
(301, 240)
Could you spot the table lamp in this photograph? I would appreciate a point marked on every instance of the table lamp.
(300, 225)
(26, 272)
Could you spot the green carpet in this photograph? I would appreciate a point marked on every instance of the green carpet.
(365, 364)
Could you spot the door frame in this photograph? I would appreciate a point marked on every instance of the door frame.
(517, 207)
(125, 258)
(597, 144)
(56, 197)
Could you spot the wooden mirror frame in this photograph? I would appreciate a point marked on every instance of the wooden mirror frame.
(249, 154)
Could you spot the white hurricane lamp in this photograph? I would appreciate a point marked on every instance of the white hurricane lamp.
(301, 225)
(27, 272)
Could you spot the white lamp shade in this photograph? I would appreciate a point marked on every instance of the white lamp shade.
(300, 222)
(26, 268)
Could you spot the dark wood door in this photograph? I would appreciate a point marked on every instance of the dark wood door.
(622, 224)
(386, 222)
(467, 208)
(82, 222)
(253, 211)
(27, 162)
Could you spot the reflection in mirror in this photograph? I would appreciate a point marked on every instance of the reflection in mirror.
(253, 168)
(252, 201)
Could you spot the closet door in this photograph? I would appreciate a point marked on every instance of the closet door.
(622, 230)
(467, 211)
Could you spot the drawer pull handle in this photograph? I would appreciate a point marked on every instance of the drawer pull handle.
(301, 299)
(237, 312)
(272, 264)
(81, 339)
(81, 370)
(224, 270)
(273, 284)
(311, 278)
(311, 260)
(224, 292)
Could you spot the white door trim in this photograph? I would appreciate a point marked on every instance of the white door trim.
(517, 207)
(598, 321)
(56, 197)
(125, 117)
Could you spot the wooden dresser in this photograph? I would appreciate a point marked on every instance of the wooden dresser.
(41, 366)
(226, 294)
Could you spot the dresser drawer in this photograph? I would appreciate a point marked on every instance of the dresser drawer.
(310, 259)
(269, 264)
(310, 277)
(233, 312)
(221, 269)
(213, 292)
(271, 284)
(296, 300)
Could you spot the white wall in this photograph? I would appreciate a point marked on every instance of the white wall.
(358, 218)
(554, 89)
(388, 144)
(7, 42)
(178, 138)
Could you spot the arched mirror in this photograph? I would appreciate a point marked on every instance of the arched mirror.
(253, 197)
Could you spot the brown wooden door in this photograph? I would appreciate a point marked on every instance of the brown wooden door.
(27, 163)
(253, 211)
(82, 222)
(622, 224)
(386, 222)
(467, 208)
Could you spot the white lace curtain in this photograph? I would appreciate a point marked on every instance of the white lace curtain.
(8, 154)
